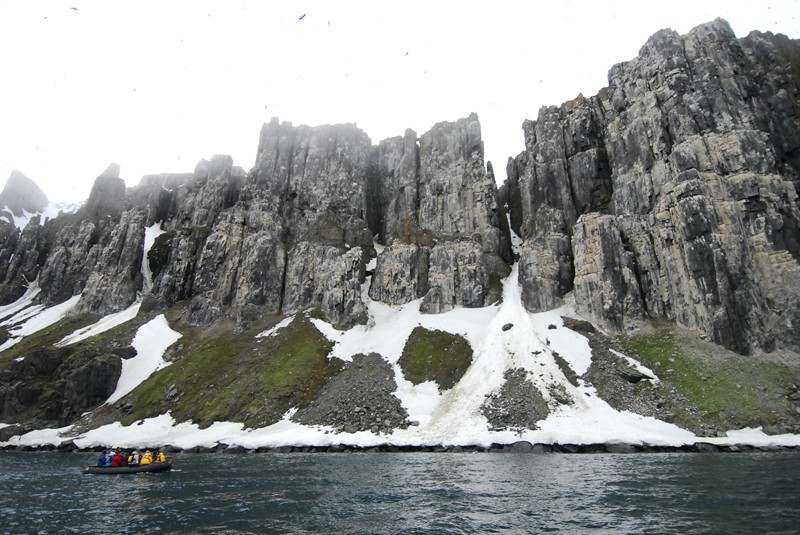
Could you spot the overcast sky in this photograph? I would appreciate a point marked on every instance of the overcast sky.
(155, 86)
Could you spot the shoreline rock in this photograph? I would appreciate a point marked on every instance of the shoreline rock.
(515, 447)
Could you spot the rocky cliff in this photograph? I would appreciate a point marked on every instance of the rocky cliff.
(295, 233)
(672, 193)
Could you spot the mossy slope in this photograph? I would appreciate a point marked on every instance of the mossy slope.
(219, 374)
(435, 356)
(729, 390)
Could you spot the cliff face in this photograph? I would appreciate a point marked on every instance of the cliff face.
(297, 232)
(672, 193)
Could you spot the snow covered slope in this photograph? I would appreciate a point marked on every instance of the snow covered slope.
(102, 325)
(34, 318)
(452, 417)
(150, 342)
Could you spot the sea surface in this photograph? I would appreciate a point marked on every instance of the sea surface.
(407, 493)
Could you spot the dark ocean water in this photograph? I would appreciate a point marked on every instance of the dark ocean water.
(408, 493)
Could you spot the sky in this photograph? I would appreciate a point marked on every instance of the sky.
(155, 86)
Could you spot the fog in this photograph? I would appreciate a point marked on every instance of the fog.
(155, 86)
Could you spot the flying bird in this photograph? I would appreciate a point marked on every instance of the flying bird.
(301, 17)
(73, 8)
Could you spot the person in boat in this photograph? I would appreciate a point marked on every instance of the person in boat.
(104, 460)
(117, 459)
(147, 458)
(133, 458)
(161, 457)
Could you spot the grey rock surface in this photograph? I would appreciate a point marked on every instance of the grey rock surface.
(401, 274)
(117, 278)
(359, 398)
(324, 277)
(23, 252)
(693, 148)
(606, 287)
(458, 276)
(53, 386)
(518, 405)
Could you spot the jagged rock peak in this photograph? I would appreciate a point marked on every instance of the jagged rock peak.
(21, 193)
(108, 194)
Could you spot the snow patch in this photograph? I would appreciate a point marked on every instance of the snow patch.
(753, 437)
(516, 241)
(636, 365)
(23, 302)
(104, 324)
(275, 328)
(150, 342)
(50, 211)
(150, 234)
(44, 317)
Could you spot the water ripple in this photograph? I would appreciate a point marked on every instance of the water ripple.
(385, 493)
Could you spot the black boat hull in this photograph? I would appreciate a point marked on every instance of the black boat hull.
(153, 467)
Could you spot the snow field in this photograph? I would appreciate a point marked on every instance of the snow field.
(50, 211)
(39, 318)
(448, 418)
(23, 302)
(102, 325)
(150, 342)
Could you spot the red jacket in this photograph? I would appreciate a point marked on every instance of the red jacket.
(116, 460)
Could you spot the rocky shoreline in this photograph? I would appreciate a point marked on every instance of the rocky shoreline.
(522, 446)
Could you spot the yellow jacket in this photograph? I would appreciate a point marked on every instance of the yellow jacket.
(147, 458)
(161, 457)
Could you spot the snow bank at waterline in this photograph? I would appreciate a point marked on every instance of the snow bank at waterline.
(164, 430)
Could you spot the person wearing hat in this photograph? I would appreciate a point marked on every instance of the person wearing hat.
(133, 459)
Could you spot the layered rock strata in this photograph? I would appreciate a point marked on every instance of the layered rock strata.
(692, 156)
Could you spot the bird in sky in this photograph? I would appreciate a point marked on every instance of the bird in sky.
(301, 17)
(73, 8)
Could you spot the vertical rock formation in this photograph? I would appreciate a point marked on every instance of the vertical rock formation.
(24, 252)
(693, 152)
(447, 235)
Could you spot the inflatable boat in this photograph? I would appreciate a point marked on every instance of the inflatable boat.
(152, 467)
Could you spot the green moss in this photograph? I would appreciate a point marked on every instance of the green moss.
(299, 365)
(220, 374)
(742, 390)
(435, 356)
